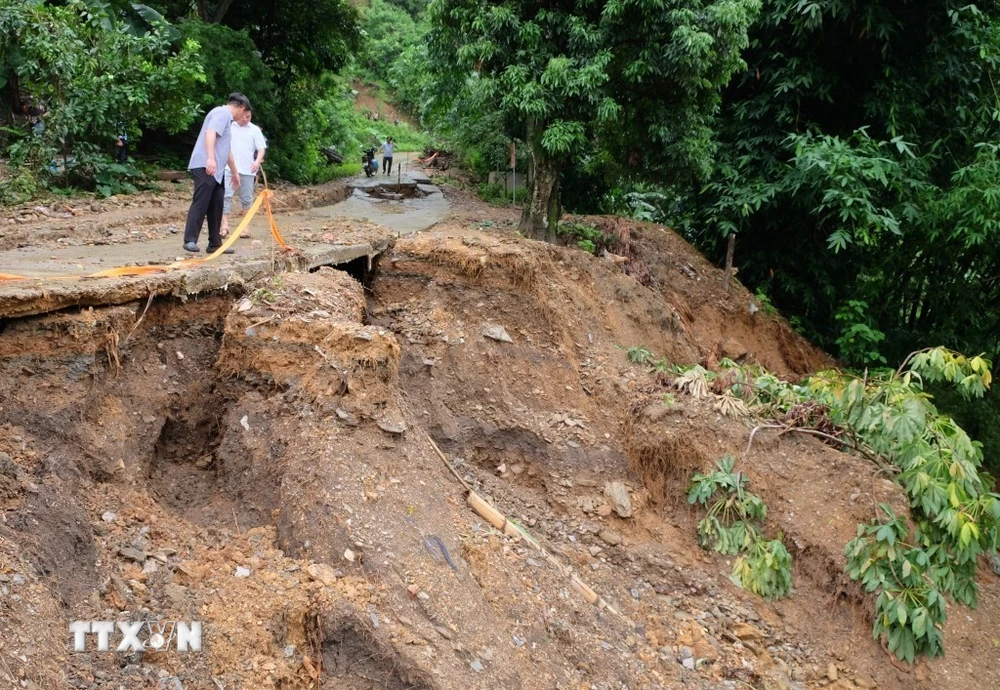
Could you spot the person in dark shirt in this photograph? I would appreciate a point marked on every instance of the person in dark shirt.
(34, 112)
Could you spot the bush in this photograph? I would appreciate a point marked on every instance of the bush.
(125, 79)
(493, 193)
(586, 237)
(733, 527)
(231, 62)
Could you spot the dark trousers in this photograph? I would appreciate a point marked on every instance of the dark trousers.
(387, 164)
(209, 196)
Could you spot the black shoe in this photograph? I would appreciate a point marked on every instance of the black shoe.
(191, 247)
(212, 250)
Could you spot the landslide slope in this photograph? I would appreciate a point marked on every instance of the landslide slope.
(263, 462)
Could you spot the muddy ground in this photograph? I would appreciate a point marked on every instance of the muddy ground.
(262, 459)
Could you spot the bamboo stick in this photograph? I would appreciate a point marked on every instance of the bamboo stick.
(497, 519)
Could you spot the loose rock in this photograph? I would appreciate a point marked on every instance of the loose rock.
(133, 554)
(322, 573)
(619, 498)
(609, 537)
(498, 333)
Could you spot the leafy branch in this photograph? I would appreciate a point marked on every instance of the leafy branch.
(887, 417)
(732, 527)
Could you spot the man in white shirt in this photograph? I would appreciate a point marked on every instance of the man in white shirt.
(387, 148)
(249, 147)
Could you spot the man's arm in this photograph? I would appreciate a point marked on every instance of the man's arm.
(261, 143)
(232, 168)
(210, 165)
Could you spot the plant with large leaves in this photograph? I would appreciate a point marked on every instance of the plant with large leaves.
(859, 164)
(94, 79)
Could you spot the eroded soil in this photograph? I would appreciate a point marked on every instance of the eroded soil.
(260, 459)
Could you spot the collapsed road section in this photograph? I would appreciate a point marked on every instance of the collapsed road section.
(42, 295)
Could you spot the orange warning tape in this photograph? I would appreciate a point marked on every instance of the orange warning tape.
(263, 198)
(270, 215)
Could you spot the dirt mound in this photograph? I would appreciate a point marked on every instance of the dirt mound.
(729, 324)
(260, 459)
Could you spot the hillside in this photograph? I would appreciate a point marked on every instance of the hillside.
(262, 459)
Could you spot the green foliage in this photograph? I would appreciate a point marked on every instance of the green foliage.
(765, 569)
(284, 56)
(859, 164)
(494, 193)
(848, 178)
(766, 305)
(96, 76)
(390, 31)
(19, 188)
(858, 341)
(639, 355)
(300, 40)
(482, 141)
(230, 62)
(586, 237)
(972, 376)
(955, 516)
(561, 76)
(732, 527)
(910, 608)
(116, 178)
(406, 137)
(888, 417)
(639, 200)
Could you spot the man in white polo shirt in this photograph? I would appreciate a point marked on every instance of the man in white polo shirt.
(249, 146)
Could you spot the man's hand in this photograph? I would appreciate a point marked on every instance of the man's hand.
(254, 167)
(236, 182)
(210, 167)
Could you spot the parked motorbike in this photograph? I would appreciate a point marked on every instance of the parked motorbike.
(368, 162)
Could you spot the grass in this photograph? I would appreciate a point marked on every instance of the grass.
(346, 169)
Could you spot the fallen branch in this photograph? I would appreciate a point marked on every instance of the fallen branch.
(448, 464)
(497, 519)
(815, 432)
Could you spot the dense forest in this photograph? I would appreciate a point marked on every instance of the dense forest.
(844, 151)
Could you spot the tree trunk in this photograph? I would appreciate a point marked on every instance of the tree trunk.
(538, 212)
(220, 11)
(552, 219)
(730, 249)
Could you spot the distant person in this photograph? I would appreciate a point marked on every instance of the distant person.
(213, 145)
(34, 112)
(249, 147)
(121, 143)
(387, 148)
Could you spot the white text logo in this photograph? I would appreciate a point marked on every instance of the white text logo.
(137, 636)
